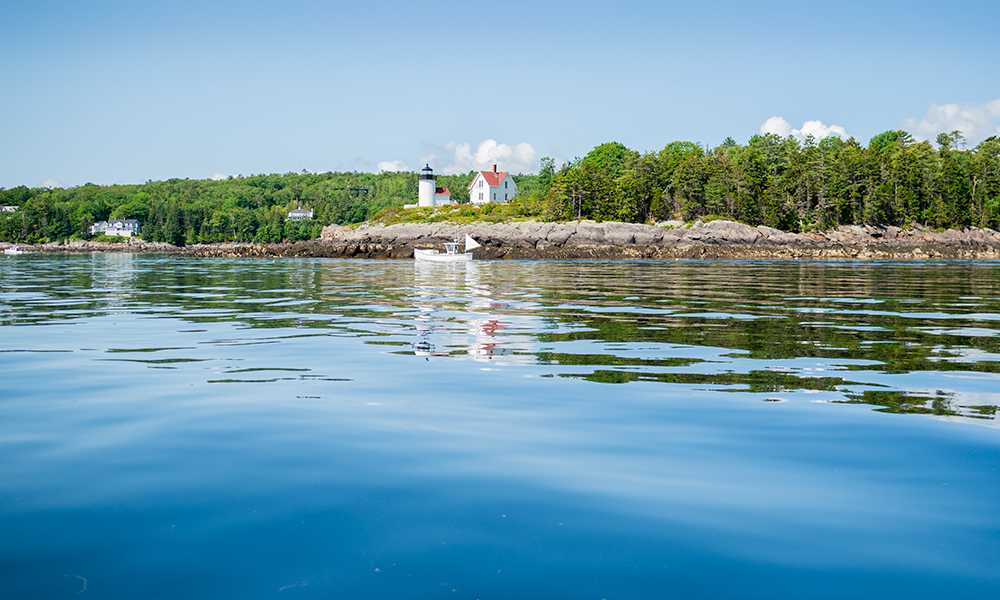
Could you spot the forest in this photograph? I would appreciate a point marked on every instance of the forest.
(187, 211)
(787, 185)
(774, 181)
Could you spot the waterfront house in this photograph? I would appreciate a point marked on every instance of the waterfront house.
(491, 186)
(120, 227)
(300, 214)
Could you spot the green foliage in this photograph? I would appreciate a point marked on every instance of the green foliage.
(111, 239)
(787, 185)
(771, 180)
(521, 207)
(184, 211)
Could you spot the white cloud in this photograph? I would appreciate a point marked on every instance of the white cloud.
(817, 129)
(219, 177)
(51, 184)
(457, 158)
(520, 158)
(777, 126)
(387, 166)
(976, 122)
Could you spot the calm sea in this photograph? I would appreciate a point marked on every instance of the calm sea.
(175, 427)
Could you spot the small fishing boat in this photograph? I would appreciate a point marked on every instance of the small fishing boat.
(13, 251)
(451, 253)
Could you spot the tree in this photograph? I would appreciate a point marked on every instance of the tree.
(953, 140)
(985, 179)
(545, 175)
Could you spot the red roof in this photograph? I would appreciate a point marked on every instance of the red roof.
(492, 179)
(441, 192)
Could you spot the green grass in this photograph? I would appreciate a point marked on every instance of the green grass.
(515, 210)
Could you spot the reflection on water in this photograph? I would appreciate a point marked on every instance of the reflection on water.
(340, 428)
(765, 328)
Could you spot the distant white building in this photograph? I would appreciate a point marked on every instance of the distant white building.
(491, 186)
(121, 227)
(428, 194)
(300, 214)
(8, 209)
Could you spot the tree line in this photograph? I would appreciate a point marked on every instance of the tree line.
(775, 181)
(184, 211)
(786, 184)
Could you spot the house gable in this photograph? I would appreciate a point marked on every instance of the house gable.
(492, 186)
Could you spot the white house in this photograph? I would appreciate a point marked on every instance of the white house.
(491, 186)
(300, 214)
(122, 227)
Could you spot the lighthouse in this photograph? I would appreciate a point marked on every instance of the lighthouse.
(427, 187)
(428, 194)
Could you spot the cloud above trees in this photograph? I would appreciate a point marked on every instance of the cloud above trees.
(976, 121)
(520, 158)
(817, 129)
(392, 166)
(459, 157)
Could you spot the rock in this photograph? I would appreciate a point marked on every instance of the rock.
(333, 232)
(560, 234)
(618, 234)
(648, 236)
(523, 240)
(587, 234)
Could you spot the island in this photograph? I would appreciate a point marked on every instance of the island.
(897, 198)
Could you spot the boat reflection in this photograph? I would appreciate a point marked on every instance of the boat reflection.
(458, 307)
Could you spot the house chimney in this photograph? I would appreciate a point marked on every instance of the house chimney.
(494, 168)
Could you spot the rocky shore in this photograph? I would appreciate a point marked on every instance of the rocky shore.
(134, 245)
(588, 240)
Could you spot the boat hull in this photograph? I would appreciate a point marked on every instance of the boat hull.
(435, 256)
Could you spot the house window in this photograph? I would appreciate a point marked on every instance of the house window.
(505, 185)
(480, 195)
(480, 184)
(494, 196)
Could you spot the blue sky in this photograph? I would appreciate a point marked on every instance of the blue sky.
(122, 92)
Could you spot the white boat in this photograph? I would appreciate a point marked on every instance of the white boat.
(451, 253)
(13, 250)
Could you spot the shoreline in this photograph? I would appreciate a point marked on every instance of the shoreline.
(588, 240)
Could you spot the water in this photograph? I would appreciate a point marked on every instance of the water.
(176, 427)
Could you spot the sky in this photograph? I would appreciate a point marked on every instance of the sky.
(124, 92)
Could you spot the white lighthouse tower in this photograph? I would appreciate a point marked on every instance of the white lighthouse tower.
(427, 187)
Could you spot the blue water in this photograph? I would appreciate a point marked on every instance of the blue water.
(175, 427)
